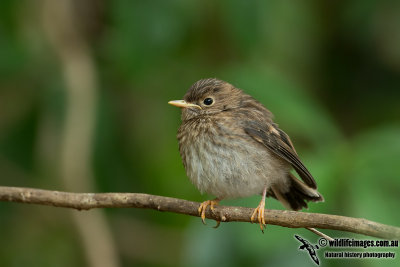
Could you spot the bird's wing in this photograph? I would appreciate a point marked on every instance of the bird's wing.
(279, 142)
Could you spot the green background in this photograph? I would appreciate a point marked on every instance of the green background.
(328, 70)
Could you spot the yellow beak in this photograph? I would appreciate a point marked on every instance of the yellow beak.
(183, 104)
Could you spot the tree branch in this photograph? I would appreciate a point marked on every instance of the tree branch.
(291, 219)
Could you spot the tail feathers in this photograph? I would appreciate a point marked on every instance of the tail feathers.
(297, 195)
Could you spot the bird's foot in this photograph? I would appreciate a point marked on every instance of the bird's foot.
(258, 215)
(203, 207)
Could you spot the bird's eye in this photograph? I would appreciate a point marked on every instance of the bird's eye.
(208, 101)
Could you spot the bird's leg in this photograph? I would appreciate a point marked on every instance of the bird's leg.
(203, 207)
(259, 211)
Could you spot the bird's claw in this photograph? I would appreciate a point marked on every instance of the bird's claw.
(203, 207)
(217, 225)
(258, 214)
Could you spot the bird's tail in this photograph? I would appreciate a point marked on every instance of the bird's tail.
(296, 198)
(297, 195)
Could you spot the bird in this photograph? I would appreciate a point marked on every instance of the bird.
(231, 148)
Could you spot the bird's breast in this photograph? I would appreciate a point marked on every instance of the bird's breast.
(224, 161)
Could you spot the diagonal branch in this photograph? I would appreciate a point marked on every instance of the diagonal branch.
(291, 219)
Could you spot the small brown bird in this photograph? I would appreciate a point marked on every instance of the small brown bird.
(231, 148)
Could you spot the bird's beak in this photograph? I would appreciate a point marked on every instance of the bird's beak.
(183, 104)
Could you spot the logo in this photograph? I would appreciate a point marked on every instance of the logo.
(307, 246)
(347, 253)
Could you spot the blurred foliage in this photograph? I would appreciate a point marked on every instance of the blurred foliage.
(328, 70)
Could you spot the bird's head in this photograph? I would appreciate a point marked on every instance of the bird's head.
(208, 97)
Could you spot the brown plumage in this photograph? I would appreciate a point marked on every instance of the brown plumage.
(231, 148)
